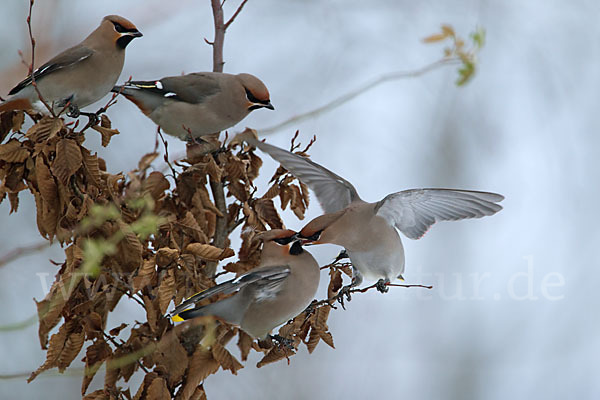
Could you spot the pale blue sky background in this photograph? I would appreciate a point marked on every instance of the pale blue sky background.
(526, 127)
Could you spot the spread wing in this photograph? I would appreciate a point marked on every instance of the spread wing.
(333, 192)
(267, 282)
(191, 88)
(414, 211)
(65, 59)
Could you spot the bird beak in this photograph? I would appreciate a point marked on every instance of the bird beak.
(135, 34)
(269, 106)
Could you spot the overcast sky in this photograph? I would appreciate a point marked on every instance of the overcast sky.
(512, 311)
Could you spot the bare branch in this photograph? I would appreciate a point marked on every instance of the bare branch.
(235, 14)
(23, 251)
(343, 99)
(31, 70)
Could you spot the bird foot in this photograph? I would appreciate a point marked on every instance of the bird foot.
(382, 285)
(73, 111)
(93, 118)
(343, 254)
(282, 342)
(344, 292)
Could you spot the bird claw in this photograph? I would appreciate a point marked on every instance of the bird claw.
(344, 292)
(282, 342)
(73, 111)
(382, 286)
(343, 254)
(93, 118)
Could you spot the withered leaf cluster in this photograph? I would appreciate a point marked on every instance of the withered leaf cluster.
(145, 237)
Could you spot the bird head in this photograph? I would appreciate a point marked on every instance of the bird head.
(276, 242)
(257, 93)
(123, 31)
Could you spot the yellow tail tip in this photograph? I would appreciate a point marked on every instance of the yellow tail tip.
(177, 318)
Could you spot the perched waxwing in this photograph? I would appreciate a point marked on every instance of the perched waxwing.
(197, 104)
(368, 230)
(281, 287)
(78, 76)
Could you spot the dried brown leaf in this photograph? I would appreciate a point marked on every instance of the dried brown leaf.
(174, 359)
(209, 252)
(92, 168)
(297, 205)
(244, 343)
(255, 164)
(55, 348)
(97, 395)
(238, 190)
(267, 212)
(107, 133)
(236, 168)
(166, 291)
(272, 192)
(313, 340)
(146, 160)
(68, 159)
(72, 347)
(13, 197)
(95, 355)
(144, 275)
(275, 354)
(208, 204)
(202, 364)
(45, 129)
(327, 338)
(165, 256)
(225, 358)
(155, 184)
(13, 151)
(335, 282)
(213, 170)
(151, 312)
(158, 390)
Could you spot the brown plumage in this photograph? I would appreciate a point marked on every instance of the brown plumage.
(197, 104)
(281, 287)
(80, 75)
(369, 231)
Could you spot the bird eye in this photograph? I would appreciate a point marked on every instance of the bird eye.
(251, 97)
(119, 28)
(283, 241)
(315, 236)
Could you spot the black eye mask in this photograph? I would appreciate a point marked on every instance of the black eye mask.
(283, 241)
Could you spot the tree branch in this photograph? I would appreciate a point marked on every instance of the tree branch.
(235, 14)
(343, 99)
(217, 188)
(22, 251)
(31, 70)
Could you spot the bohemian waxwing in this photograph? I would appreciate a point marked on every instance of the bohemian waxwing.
(78, 76)
(199, 103)
(368, 230)
(281, 287)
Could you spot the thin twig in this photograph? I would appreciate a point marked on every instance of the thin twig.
(235, 14)
(22, 251)
(332, 299)
(117, 345)
(93, 118)
(31, 71)
(217, 188)
(166, 156)
(219, 39)
(343, 99)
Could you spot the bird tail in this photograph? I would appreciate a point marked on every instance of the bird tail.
(189, 314)
(16, 105)
(133, 93)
